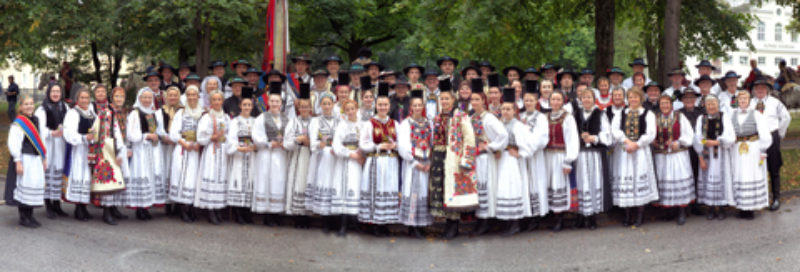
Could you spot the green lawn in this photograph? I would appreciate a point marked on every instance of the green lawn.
(794, 127)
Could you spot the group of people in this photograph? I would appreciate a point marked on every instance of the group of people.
(382, 147)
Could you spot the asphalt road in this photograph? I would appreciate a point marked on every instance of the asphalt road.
(771, 242)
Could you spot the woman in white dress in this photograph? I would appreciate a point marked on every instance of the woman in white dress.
(546, 88)
(164, 117)
(347, 173)
(51, 117)
(297, 142)
(367, 109)
(513, 197)
(414, 143)
(673, 167)
(208, 86)
(186, 155)
(634, 179)
(27, 149)
(491, 138)
(713, 134)
(379, 205)
(77, 124)
(537, 178)
(241, 151)
(211, 131)
(321, 189)
(145, 163)
(560, 153)
(590, 173)
(748, 158)
(269, 190)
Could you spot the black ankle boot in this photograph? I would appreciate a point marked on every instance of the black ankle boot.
(146, 214)
(212, 218)
(79, 213)
(29, 211)
(51, 213)
(712, 213)
(237, 216)
(24, 219)
(416, 232)
(513, 228)
(342, 226)
(270, 220)
(533, 224)
(107, 217)
(184, 212)
(247, 216)
(592, 222)
(85, 211)
(117, 214)
(721, 213)
(57, 208)
(481, 228)
(639, 216)
(450, 229)
(581, 222)
(681, 215)
(626, 222)
(559, 222)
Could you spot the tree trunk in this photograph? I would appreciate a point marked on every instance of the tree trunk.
(183, 54)
(670, 46)
(604, 35)
(117, 66)
(651, 48)
(203, 34)
(96, 61)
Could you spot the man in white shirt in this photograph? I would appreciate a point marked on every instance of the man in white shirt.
(727, 98)
(637, 66)
(777, 119)
(704, 68)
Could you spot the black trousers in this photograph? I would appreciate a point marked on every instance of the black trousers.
(774, 163)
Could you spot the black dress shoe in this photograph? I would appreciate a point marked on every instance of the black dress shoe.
(139, 214)
(212, 218)
(184, 212)
(592, 222)
(24, 220)
(481, 228)
(533, 224)
(639, 217)
(559, 223)
(776, 204)
(450, 230)
(146, 214)
(626, 222)
(51, 213)
(681, 216)
(117, 214)
(79, 213)
(57, 208)
(86, 212)
(721, 214)
(108, 218)
(416, 232)
(711, 214)
(513, 228)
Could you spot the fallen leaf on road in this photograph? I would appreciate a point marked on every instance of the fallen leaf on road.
(330, 253)
(778, 259)
(780, 242)
(291, 260)
(647, 250)
(432, 266)
(392, 241)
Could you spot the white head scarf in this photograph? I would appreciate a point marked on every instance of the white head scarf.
(197, 111)
(138, 105)
(205, 98)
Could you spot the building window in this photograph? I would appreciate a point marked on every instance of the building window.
(761, 31)
(729, 60)
(794, 36)
(778, 12)
(794, 61)
(778, 32)
(743, 60)
(762, 60)
(777, 60)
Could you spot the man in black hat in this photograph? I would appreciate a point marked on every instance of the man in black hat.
(217, 68)
(332, 65)
(549, 72)
(231, 104)
(652, 93)
(530, 74)
(470, 72)
(486, 69)
(153, 81)
(704, 68)
(191, 79)
(252, 75)
(688, 97)
(704, 84)
(637, 66)
(566, 83)
(727, 98)
(414, 74)
(777, 119)
(448, 66)
(240, 66)
(431, 88)
(676, 77)
(388, 76)
(167, 73)
(183, 71)
(301, 74)
(400, 105)
(512, 73)
(587, 77)
(615, 76)
(321, 85)
(374, 71)
(12, 92)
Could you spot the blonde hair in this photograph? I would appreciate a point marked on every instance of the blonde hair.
(636, 91)
(21, 100)
(587, 90)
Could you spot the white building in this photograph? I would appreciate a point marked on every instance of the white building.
(770, 38)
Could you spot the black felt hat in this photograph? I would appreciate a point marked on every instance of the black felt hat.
(151, 74)
(761, 81)
(166, 66)
(494, 80)
(705, 63)
(532, 86)
(637, 61)
(240, 61)
(446, 58)
(383, 89)
(653, 83)
(703, 78)
(366, 82)
(273, 72)
(486, 64)
(476, 69)
(509, 95)
(305, 91)
(401, 81)
(445, 85)
(275, 87)
(301, 57)
(476, 85)
(509, 68)
(413, 65)
(217, 63)
(253, 70)
(333, 58)
(344, 79)
(372, 63)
